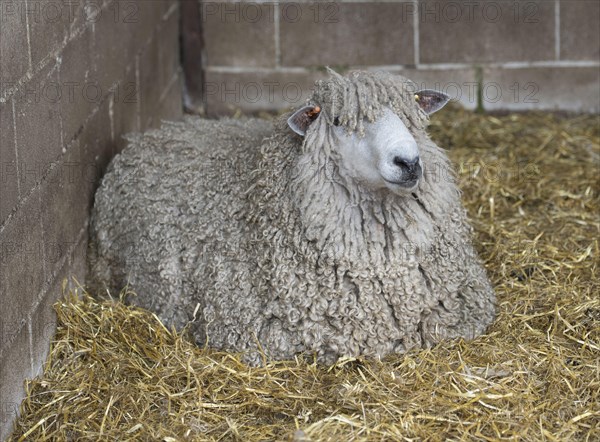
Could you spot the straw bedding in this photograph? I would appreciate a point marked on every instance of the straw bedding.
(531, 186)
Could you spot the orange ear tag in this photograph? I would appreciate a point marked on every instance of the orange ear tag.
(314, 112)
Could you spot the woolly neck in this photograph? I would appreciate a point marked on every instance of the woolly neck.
(349, 224)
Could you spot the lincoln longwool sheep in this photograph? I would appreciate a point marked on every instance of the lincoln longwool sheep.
(338, 231)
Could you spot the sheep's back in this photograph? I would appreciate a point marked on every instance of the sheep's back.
(172, 201)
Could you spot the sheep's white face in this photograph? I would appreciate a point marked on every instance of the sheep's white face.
(386, 156)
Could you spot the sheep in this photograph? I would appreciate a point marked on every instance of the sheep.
(334, 231)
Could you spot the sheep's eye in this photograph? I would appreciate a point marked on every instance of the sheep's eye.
(336, 121)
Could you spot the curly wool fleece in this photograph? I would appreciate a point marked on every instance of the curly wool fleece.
(253, 235)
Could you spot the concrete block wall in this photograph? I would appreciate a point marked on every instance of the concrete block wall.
(495, 54)
(75, 75)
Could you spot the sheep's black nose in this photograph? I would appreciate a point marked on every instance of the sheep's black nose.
(411, 168)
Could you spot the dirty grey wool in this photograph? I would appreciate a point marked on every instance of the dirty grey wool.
(251, 234)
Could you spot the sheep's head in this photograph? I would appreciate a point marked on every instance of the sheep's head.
(369, 122)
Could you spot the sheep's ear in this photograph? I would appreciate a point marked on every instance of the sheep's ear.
(302, 118)
(431, 101)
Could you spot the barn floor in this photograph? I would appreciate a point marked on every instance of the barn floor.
(531, 186)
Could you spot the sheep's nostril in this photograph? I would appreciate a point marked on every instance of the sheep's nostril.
(411, 167)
